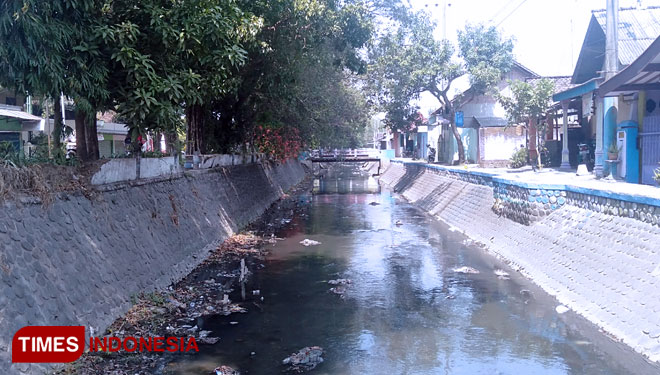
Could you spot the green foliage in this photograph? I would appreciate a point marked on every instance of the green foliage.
(613, 148)
(527, 101)
(656, 175)
(519, 158)
(408, 61)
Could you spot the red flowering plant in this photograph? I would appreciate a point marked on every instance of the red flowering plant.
(277, 142)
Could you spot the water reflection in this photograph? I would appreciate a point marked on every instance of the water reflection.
(406, 311)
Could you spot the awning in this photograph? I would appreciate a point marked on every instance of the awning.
(642, 74)
(491, 122)
(17, 114)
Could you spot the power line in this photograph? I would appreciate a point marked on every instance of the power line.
(501, 10)
(513, 11)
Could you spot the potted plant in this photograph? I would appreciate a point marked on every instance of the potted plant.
(613, 152)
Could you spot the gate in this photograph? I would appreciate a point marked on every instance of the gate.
(650, 148)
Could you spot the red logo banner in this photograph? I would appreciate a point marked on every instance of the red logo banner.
(48, 344)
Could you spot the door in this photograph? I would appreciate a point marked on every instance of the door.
(650, 148)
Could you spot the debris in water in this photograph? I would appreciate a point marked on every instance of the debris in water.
(374, 204)
(305, 359)
(339, 290)
(561, 309)
(308, 242)
(398, 223)
(450, 296)
(501, 274)
(233, 323)
(244, 271)
(466, 269)
(339, 282)
(225, 370)
(256, 292)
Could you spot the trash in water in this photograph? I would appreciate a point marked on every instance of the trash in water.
(339, 290)
(225, 370)
(305, 359)
(374, 204)
(256, 292)
(466, 269)
(339, 282)
(561, 309)
(398, 223)
(501, 274)
(308, 242)
(450, 296)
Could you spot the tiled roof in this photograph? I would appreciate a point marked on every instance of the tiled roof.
(638, 28)
(562, 83)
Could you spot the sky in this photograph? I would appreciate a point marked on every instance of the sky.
(548, 34)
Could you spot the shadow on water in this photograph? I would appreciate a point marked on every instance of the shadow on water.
(406, 311)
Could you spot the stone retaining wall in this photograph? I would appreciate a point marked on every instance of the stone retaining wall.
(602, 265)
(78, 261)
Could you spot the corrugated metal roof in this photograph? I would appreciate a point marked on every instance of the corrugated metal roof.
(18, 114)
(638, 28)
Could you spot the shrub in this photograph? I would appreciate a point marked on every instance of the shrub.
(656, 175)
(519, 158)
(279, 143)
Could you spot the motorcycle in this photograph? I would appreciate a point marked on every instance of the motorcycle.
(431, 156)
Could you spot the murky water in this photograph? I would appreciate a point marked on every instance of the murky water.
(406, 311)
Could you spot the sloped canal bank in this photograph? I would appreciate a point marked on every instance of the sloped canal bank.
(421, 300)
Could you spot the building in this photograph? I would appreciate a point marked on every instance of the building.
(604, 52)
(483, 126)
(637, 132)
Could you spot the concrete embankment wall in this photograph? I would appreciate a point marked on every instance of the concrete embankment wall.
(79, 260)
(594, 257)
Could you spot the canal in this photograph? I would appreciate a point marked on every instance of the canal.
(408, 309)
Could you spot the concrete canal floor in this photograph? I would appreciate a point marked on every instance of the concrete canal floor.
(408, 309)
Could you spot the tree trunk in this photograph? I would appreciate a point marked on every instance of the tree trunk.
(57, 120)
(91, 136)
(194, 130)
(533, 152)
(81, 137)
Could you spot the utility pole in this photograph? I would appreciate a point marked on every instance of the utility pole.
(605, 132)
(611, 38)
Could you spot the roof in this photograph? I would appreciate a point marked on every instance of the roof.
(524, 69)
(491, 122)
(637, 29)
(15, 112)
(562, 83)
(641, 74)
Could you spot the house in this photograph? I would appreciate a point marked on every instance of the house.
(637, 132)
(17, 125)
(483, 126)
(597, 115)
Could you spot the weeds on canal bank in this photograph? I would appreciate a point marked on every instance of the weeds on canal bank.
(204, 292)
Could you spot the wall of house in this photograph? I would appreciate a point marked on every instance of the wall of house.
(470, 144)
(497, 145)
(78, 260)
(588, 248)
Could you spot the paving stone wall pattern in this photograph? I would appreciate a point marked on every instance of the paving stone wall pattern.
(602, 265)
(79, 261)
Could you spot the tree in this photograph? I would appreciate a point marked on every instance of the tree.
(48, 48)
(300, 72)
(528, 106)
(408, 61)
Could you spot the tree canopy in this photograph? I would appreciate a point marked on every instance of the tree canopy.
(408, 61)
(225, 66)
